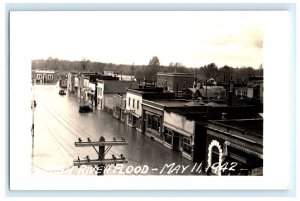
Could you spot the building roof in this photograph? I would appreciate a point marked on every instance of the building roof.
(171, 103)
(176, 74)
(212, 91)
(194, 90)
(44, 71)
(243, 134)
(253, 126)
(117, 86)
(256, 77)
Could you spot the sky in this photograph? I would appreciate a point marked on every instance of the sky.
(193, 38)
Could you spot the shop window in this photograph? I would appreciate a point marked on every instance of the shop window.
(149, 121)
(168, 136)
(130, 119)
(122, 115)
(186, 145)
(154, 123)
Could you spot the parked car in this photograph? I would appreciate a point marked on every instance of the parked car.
(85, 109)
(62, 92)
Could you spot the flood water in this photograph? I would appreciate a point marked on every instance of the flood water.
(58, 125)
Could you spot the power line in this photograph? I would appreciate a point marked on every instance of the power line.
(61, 122)
(70, 123)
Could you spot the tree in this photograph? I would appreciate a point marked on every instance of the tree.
(51, 63)
(225, 71)
(152, 68)
(210, 71)
(84, 63)
(154, 62)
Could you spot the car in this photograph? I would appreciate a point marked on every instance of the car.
(62, 92)
(85, 109)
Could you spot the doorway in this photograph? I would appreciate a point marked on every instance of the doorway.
(176, 141)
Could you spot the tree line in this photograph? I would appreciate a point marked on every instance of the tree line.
(148, 72)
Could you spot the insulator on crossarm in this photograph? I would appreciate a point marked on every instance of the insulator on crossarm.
(79, 139)
(88, 158)
(89, 140)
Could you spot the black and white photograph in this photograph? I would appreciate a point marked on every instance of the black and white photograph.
(141, 95)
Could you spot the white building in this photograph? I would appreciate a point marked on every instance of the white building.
(44, 76)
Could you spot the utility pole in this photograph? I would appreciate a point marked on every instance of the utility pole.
(103, 148)
(33, 106)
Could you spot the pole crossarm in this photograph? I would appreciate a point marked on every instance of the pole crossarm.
(102, 151)
(99, 162)
(106, 143)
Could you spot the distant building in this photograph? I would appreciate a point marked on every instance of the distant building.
(63, 81)
(43, 76)
(119, 111)
(121, 77)
(88, 89)
(71, 82)
(213, 92)
(85, 85)
(256, 88)
(175, 82)
(107, 90)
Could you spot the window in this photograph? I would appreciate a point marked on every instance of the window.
(168, 136)
(138, 104)
(100, 91)
(133, 102)
(39, 76)
(130, 119)
(186, 145)
(128, 101)
(154, 122)
(50, 77)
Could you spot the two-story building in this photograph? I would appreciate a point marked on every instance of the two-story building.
(71, 82)
(108, 90)
(175, 82)
(134, 101)
(153, 114)
(119, 111)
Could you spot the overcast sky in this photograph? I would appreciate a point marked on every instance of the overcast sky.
(194, 38)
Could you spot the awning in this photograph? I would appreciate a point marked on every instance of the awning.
(177, 130)
(246, 150)
(132, 112)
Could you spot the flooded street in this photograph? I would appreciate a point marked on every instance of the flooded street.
(58, 125)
